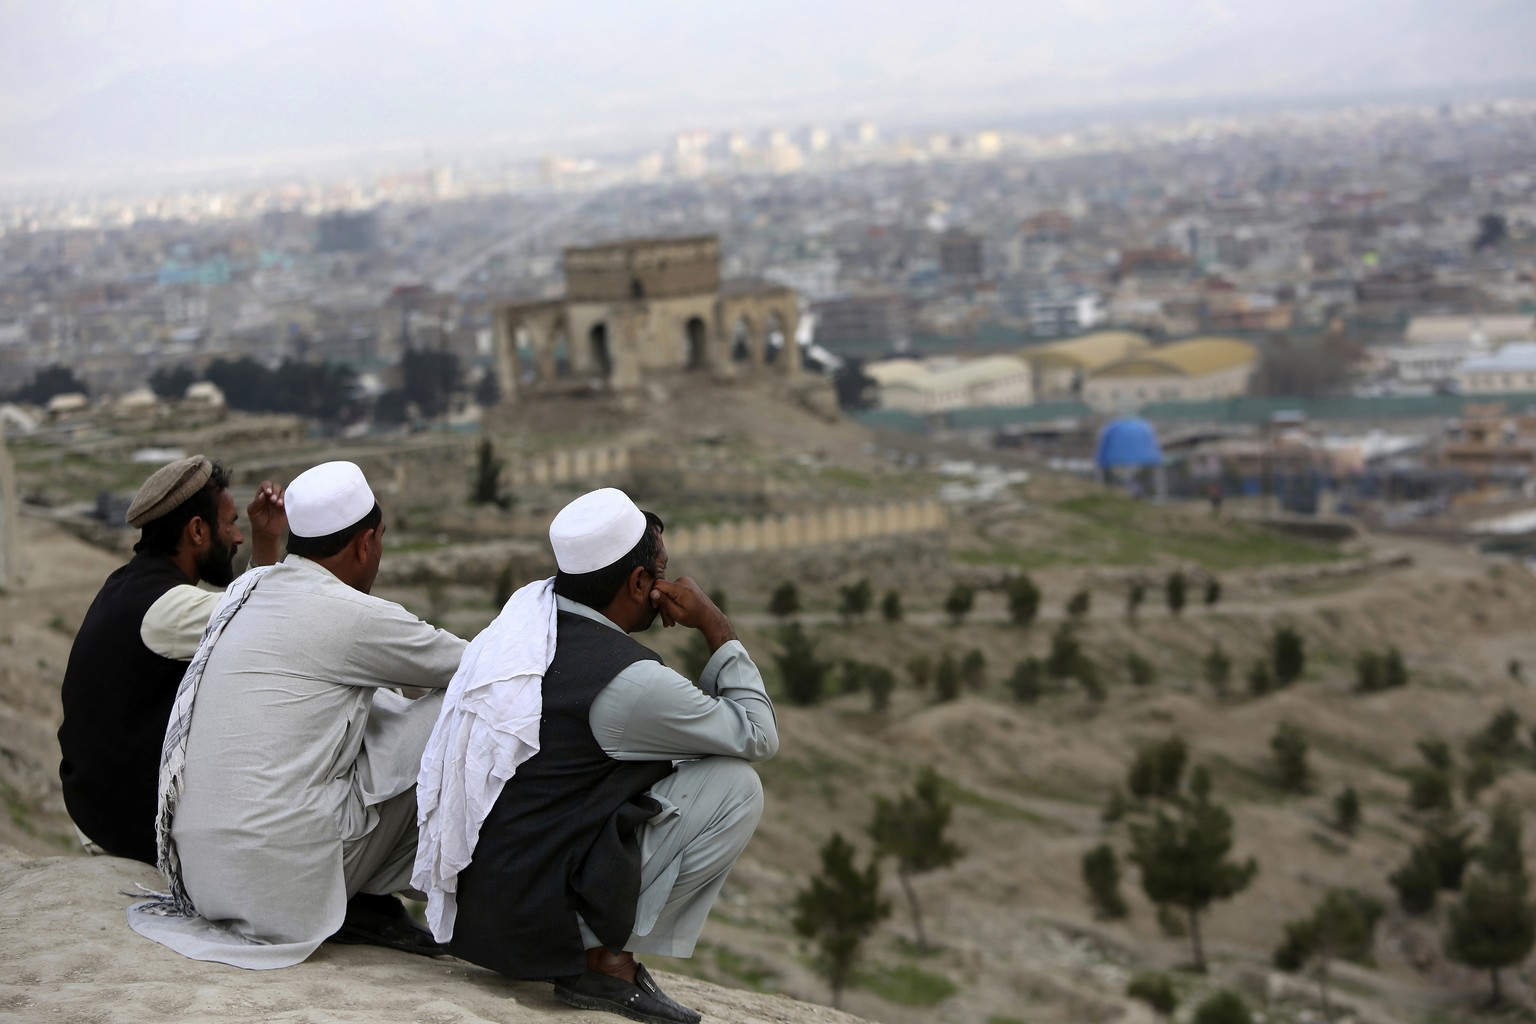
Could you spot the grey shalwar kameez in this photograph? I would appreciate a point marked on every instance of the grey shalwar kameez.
(300, 770)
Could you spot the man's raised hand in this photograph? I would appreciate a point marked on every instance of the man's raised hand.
(269, 522)
(683, 602)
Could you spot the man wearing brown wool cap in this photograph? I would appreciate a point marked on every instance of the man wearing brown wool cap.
(136, 639)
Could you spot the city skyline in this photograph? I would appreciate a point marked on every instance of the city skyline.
(96, 90)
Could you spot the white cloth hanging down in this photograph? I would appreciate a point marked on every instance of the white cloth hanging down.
(489, 726)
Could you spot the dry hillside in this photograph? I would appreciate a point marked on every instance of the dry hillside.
(1016, 939)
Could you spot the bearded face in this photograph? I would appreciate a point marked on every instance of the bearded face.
(217, 564)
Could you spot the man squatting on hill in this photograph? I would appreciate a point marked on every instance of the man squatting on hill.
(579, 801)
(287, 776)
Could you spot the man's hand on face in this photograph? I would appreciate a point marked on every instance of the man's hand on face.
(682, 602)
(269, 522)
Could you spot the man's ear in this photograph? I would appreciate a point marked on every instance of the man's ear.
(196, 533)
(362, 544)
(635, 587)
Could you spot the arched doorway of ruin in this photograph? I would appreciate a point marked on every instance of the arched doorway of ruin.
(698, 341)
(773, 338)
(602, 359)
(562, 350)
(525, 359)
(741, 341)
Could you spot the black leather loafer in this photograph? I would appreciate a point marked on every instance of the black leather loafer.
(643, 1001)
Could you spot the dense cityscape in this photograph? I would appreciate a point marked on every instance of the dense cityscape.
(1347, 225)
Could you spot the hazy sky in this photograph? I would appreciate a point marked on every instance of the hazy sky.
(101, 83)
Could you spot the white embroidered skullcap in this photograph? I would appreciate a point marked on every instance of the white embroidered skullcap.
(595, 530)
(327, 499)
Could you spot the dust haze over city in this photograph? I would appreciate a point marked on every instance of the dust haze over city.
(1103, 422)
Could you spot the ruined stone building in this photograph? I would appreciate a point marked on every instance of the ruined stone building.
(641, 307)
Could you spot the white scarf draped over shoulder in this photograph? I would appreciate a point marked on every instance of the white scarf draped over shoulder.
(489, 726)
(173, 753)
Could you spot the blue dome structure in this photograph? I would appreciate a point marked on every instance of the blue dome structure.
(1129, 441)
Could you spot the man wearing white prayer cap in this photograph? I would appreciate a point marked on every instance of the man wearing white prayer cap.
(615, 836)
(287, 781)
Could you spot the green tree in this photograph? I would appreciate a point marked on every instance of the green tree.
(1429, 784)
(1088, 678)
(855, 389)
(48, 383)
(1218, 669)
(1212, 591)
(1342, 926)
(1027, 681)
(1367, 672)
(1101, 874)
(784, 603)
(946, 679)
(973, 670)
(1156, 990)
(912, 829)
(486, 487)
(1184, 861)
(1289, 749)
(920, 669)
(1023, 600)
(890, 606)
(1417, 882)
(1174, 591)
(171, 381)
(1222, 1007)
(1481, 773)
(855, 600)
(1346, 811)
(1393, 672)
(1157, 771)
(1260, 679)
(837, 911)
(1493, 926)
(1450, 847)
(959, 601)
(1140, 671)
(1499, 740)
(487, 390)
(881, 683)
(1134, 597)
(1288, 654)
(802, 673)
(430, 378)
(1066, 653)
(1078, 605)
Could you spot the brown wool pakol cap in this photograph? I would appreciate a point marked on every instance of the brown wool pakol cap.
(168, 487)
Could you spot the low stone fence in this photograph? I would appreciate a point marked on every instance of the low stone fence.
(567, 464)
(798, 530)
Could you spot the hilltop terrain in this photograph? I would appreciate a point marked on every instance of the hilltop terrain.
(1015, 934)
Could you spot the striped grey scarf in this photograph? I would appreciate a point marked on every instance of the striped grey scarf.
(173, 755)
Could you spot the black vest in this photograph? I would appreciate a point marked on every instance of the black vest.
(560, 839)
(117, 697)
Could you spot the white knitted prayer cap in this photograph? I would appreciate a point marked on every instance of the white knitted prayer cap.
(596, 530)
(326, 499)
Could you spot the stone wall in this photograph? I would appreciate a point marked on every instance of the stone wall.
(602, 463)
(796, 531)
